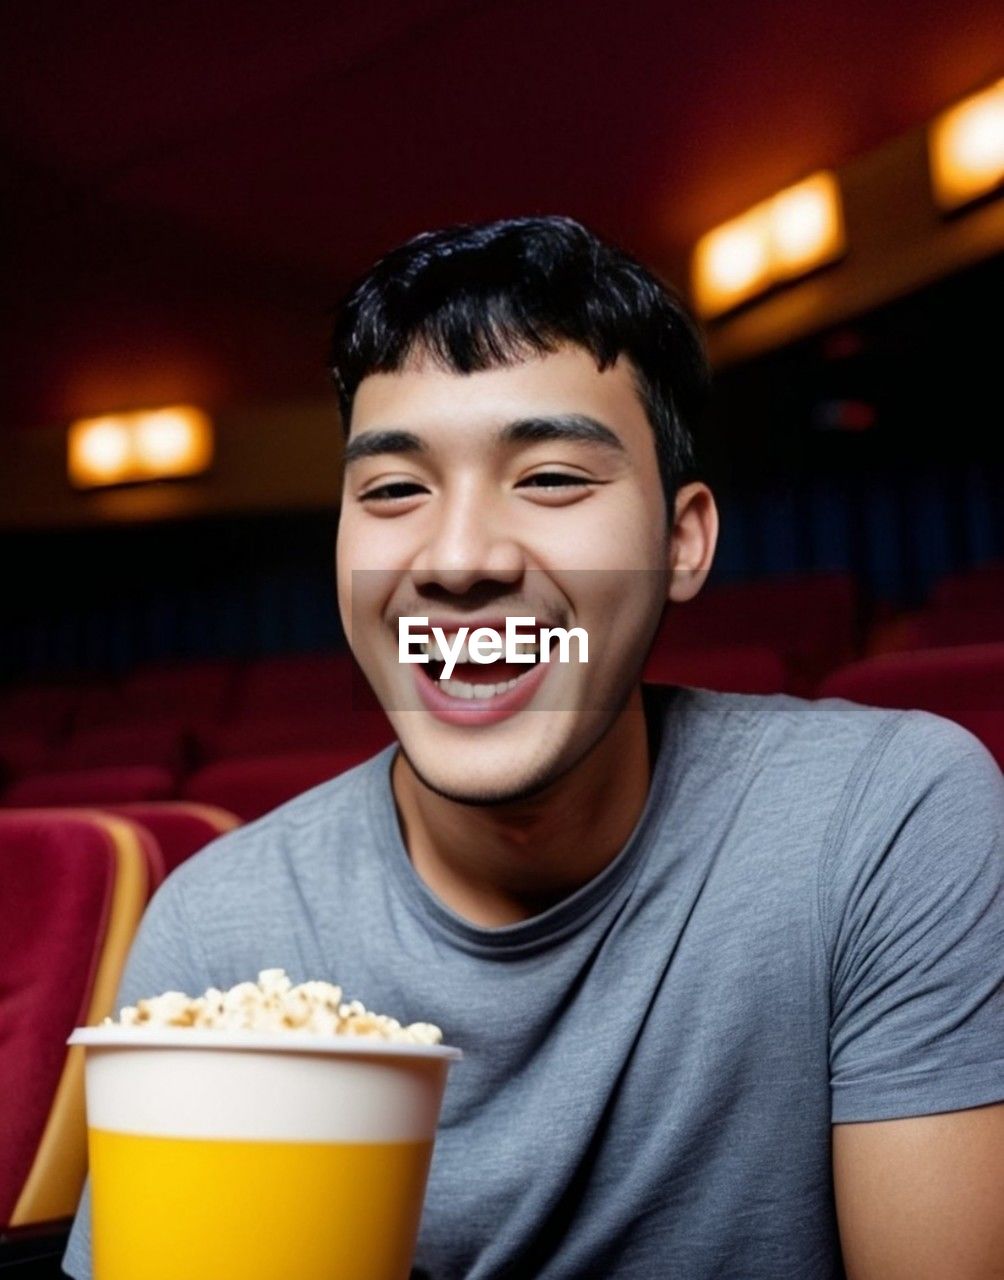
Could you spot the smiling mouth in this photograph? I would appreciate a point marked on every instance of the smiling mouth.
(480, 681)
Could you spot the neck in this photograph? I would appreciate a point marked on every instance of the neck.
(499, 864)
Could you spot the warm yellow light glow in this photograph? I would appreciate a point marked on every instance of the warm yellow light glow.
(966, 148)
(99, 450)
(174, 441)
(807, 225)
(783, 237)
(148, 445)
(732, 262)
(738, 256)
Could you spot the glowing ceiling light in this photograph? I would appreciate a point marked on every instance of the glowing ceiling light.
(731, 263)
(174, 441)
(786, 236)
(99, 450)
(153, 444)
(738, 255)
(966, 148)
(806, 225)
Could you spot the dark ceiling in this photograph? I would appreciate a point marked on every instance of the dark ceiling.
(191, 185)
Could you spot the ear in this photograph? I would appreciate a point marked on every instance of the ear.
(692, 541)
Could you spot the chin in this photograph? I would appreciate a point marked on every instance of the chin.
(482, 788)
(515, 767)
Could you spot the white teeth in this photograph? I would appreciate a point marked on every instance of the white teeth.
(457, 688)
(465, 652)
(430, 648)
(461, 689)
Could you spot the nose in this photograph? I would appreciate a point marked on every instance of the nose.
(469, 543)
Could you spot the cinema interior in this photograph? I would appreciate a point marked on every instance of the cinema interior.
(190, 189)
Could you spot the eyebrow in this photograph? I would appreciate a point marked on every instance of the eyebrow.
(577, 427)
(373, 443)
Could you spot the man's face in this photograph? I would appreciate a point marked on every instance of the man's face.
(527, 490)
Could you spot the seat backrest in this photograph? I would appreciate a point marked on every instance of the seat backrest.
(251, 787)
(195, 692)
(181, 827)
(73, 887)
(21, 752)
(976, 588)
(279, 686)
(742, 669)
(109, 784)
(139, 743)
(810, 620)
(964, 683)
(938, 628)
(38, 708)
(296, 731)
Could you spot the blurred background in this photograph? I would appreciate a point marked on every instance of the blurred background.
(190, 187)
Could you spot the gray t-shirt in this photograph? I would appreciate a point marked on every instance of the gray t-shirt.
(804, 928)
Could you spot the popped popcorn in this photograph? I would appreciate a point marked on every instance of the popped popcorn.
(273, 1004)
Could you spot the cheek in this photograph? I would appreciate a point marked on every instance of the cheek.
(368, 542)
(626, 534)
(343, 562)
(358, 564)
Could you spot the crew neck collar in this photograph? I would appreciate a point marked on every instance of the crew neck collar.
(573, 912)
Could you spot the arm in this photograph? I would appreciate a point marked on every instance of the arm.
(914, 905)
(922, 1198)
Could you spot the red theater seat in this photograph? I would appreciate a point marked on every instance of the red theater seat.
(365, 731)
(254, 786)
(121, 744)
(195, 693)
(43, 709)
(979, 588)
(72, 891)
(936, 628)
(181, 827)
(109, 785)
(809, 620)
(22, 752)
(731, 670)
(965, 684)
(98, 703)
(309, 683)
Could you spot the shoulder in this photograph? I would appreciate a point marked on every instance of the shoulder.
(833, 767)
(920, 822)
(783, 735)
(833, 732)
(287, 840)
(914, 755)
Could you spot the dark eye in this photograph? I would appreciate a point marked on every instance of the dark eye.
(553, 480)
(395, 490)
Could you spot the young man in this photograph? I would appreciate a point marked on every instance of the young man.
(726, 970)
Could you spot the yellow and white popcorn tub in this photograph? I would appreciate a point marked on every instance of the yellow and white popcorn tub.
(245, 1155)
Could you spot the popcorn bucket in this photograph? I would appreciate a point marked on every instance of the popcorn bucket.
(247, 1156)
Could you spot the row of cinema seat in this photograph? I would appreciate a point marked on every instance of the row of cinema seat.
(73, 886)
(247, 737)
(965, 608)
(211, 732)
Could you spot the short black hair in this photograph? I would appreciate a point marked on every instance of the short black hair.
(481, 296)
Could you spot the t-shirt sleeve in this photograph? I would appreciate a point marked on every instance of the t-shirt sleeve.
(912, 904)
(162, 958)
